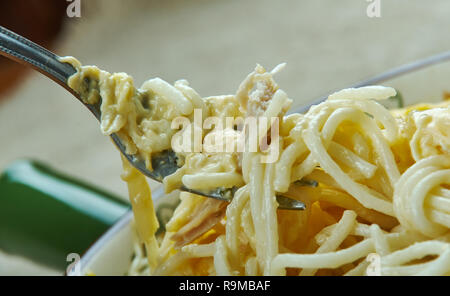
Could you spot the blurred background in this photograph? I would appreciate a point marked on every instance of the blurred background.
(214, 44)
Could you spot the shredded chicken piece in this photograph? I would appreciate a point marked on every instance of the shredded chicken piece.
(256, 91)
(204, 217)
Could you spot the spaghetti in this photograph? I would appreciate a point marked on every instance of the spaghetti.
(379, 183)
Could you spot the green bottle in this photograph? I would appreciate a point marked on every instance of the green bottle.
(46, 215)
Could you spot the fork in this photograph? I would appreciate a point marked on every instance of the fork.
(22, 50)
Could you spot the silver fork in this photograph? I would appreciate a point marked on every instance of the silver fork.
(22, 50)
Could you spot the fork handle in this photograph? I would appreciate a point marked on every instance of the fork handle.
(24, 51)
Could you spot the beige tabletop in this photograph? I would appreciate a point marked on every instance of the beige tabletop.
(214, 45)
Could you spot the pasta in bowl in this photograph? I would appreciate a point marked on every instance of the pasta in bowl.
(375, 183)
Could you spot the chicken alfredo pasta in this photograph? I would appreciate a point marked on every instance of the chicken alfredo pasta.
(376, 183)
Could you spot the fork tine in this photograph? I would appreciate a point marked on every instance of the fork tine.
(227, 194)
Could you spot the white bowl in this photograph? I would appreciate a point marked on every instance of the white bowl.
(423, 80)
(111, 254)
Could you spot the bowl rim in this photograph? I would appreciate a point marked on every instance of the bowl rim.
(387, 75)
(97, 245)
(158, 193)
